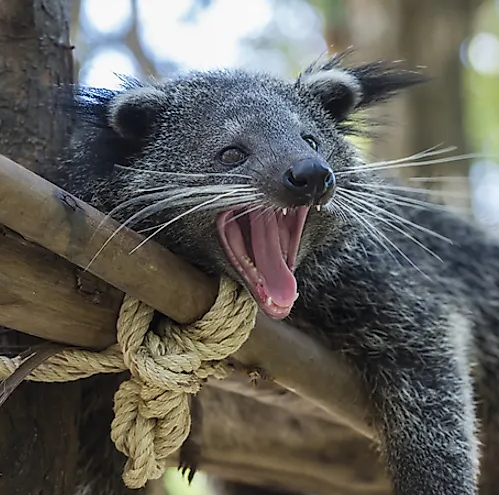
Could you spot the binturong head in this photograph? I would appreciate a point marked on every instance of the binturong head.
(234, 171)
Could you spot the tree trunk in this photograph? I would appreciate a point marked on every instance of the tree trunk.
(38, 425)
(425, 33)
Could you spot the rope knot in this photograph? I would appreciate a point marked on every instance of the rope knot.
(152, 417)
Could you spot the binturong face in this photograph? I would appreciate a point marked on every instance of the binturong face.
(234, 171)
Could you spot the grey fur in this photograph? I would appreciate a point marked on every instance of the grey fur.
(411, 325)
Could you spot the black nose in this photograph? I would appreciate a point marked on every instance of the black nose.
(309, 178)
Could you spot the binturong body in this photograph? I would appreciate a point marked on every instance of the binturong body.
(255, 177)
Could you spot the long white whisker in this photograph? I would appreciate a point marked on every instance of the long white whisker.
(398, 229)
(264, 211)
(336, 208)
(440, 178)
(178, 217)
(432, 151)
(240, 200)
(183, 174)
(246, 211)
(123, 205)
(416, 203)
(409, 236)
(416, 156)
(192, 194)
(415, 190)
(224, 202)
(187, 192)
(397, 217)
(375, 233)
(400, 200)
(377, 217)
(144, 213)
(408, 201)
(120, 228)
(437, 161)
(196, 189)
(387, 239)
(233, 201)
(165, 187)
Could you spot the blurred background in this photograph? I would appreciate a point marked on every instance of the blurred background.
(454, 41)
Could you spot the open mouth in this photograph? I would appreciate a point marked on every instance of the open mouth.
(262, 246)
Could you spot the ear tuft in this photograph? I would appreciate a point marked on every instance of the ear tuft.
(381, 80)
(342, 90)
(133, 113)
(110, 125)
(339, 91)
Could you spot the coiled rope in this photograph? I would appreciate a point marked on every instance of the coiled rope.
(151, 409)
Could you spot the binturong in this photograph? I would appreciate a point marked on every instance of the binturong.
(256, 177)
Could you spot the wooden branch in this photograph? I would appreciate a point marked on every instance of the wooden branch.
(42, 290)
(47, 215)
(46, 296)
(268, 392)
(297, 362)
(261, 444)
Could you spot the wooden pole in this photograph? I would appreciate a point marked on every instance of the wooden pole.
(264, 445)
(45, 214)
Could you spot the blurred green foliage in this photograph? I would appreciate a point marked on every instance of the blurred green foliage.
(481, 90)
(176, 484)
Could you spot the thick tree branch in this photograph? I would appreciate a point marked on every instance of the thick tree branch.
(261, 444)
(45, 214)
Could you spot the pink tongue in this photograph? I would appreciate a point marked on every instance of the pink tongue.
(280, 283)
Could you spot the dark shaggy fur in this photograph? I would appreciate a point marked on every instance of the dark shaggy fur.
(409, 293)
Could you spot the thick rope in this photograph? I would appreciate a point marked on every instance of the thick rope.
(152, 418)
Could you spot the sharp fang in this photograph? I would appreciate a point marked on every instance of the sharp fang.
(284, 211)
(318, 207)
(268, 302)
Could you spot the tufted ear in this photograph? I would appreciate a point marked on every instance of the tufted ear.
(110, 126)
(345, 89)
(133, 113)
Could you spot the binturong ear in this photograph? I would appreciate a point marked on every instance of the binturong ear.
(343, 90)
(133, 113)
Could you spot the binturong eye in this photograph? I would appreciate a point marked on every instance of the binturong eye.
(311, 142)
(233, 156)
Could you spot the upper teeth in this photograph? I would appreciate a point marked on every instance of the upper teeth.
(284, 211)
(268, 302)
(318, 207)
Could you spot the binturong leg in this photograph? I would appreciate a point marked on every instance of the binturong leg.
(423, 407)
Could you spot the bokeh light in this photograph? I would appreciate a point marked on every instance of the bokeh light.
(484, 178)
(214, 40)
(483, 53)
(102, 69)
(109, 17)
